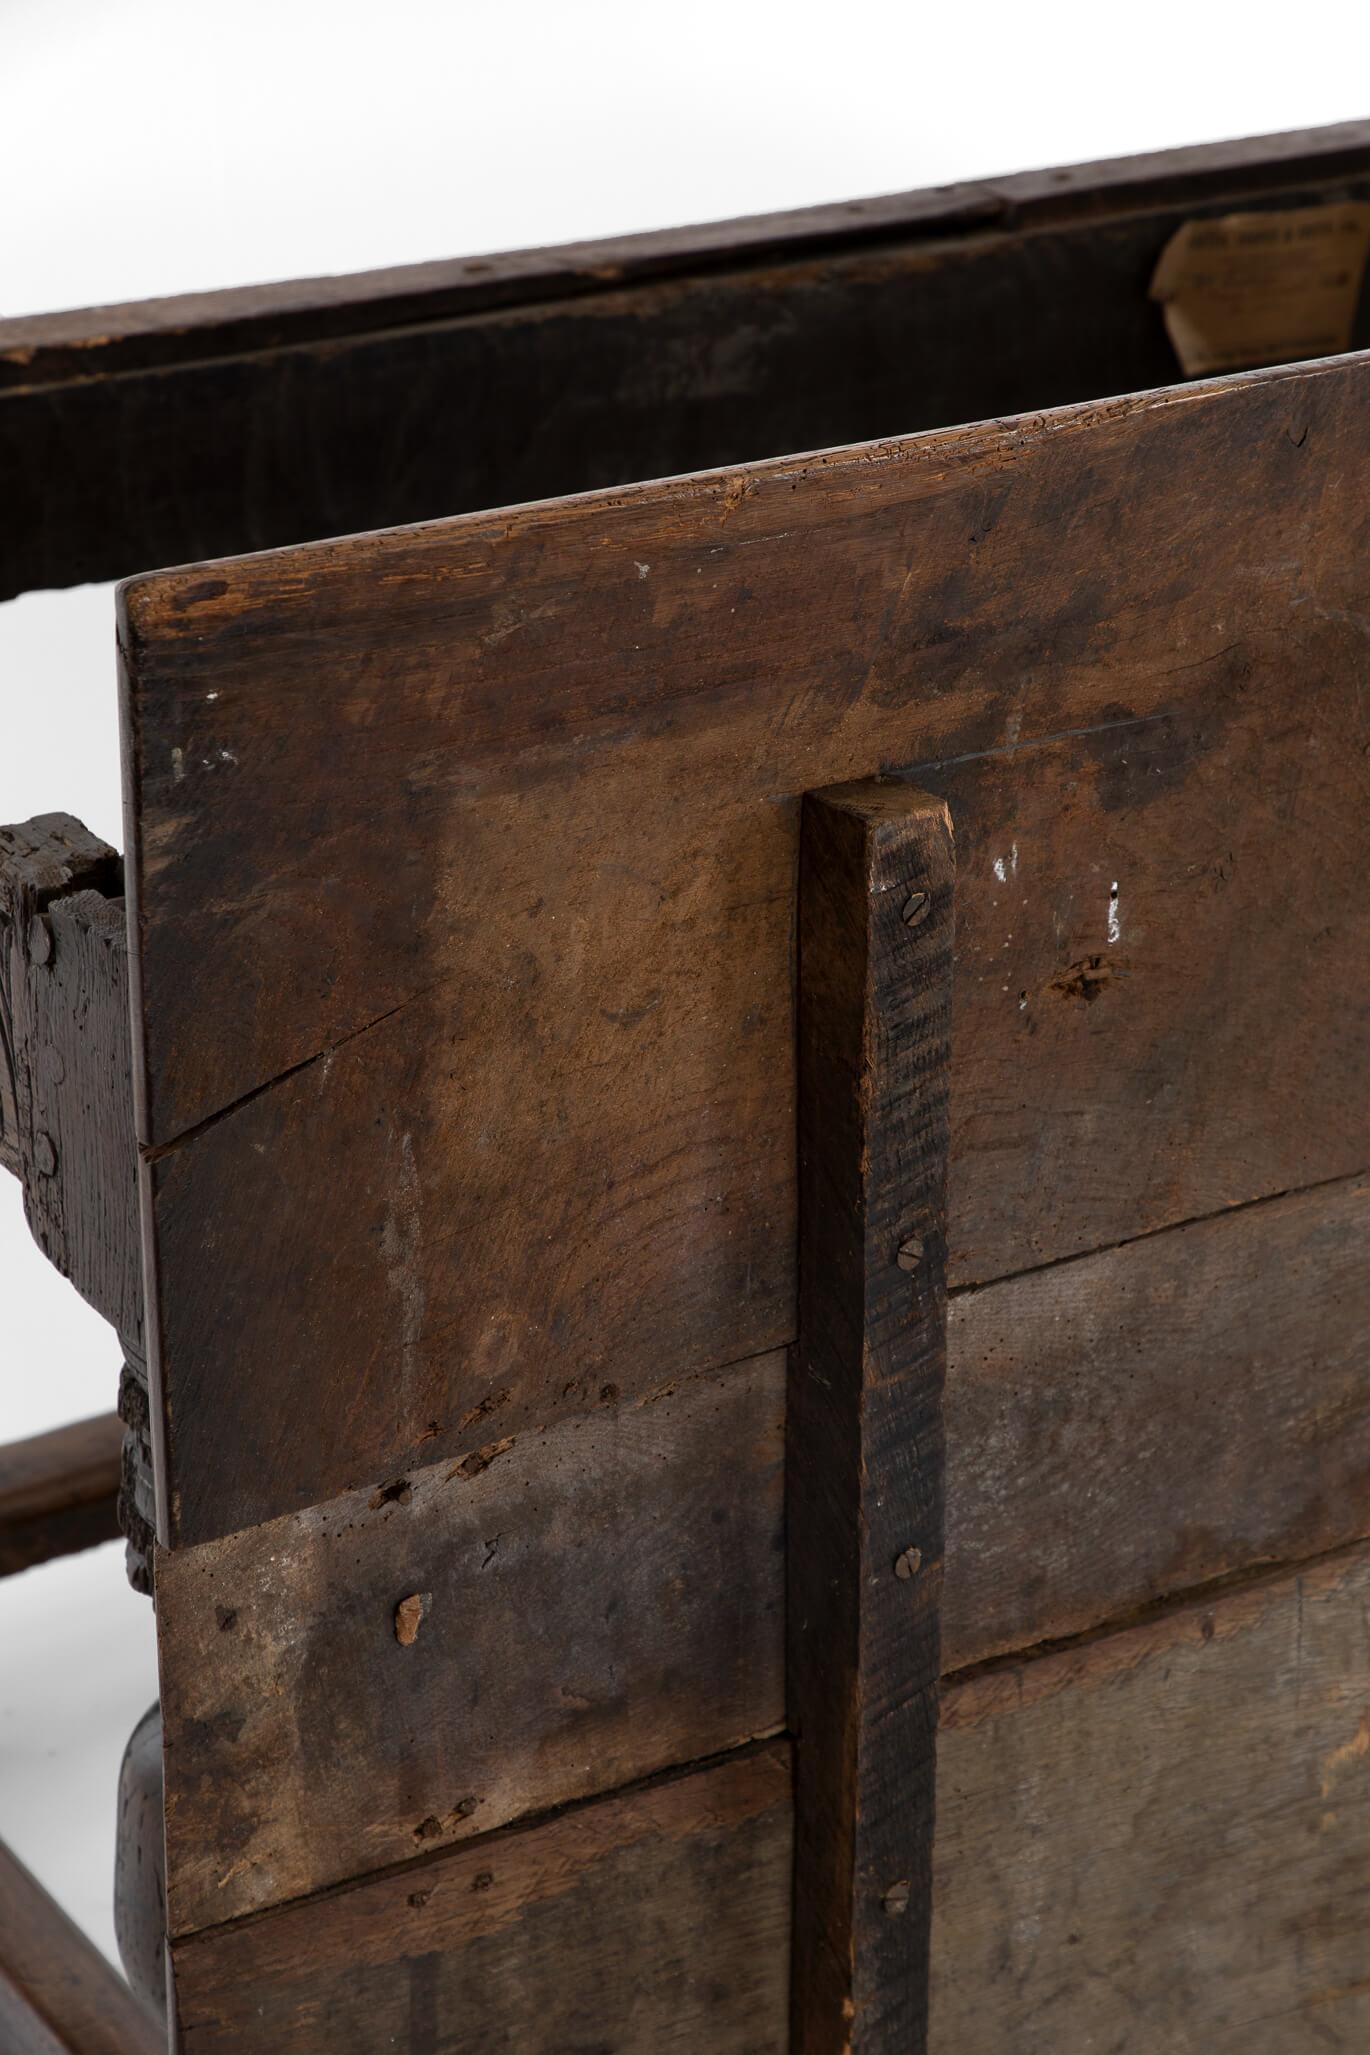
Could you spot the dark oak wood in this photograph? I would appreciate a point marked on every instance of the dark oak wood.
(596, 1603)
(227, 422)
(1160, 1839)
(59, 1492)
(380, 1113)
(1151, 1838)
(655, 1919)
(66, 1099)
(864, 1448)
(58, 1996)
(1119, 1428)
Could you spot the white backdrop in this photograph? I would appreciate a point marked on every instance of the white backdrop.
(149, 147)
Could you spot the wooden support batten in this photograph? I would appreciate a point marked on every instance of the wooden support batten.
(865, 1459)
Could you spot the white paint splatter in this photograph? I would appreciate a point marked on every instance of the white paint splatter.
(1000, 873)
(1115, 926)
(178, 764)
(1013, 860)
(641, 569)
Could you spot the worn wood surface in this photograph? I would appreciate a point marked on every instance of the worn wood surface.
(864, 1446)
(1151, 1839)
(58, 1995)
(1141, 1421)
(381, 1115)
(1119, 1428)
(1160, 1840)
(236, 421)
(140, 1864)
(597, 1603)
(655, 1919)
(59, 1492)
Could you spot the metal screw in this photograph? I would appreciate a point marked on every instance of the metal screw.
(910, 1254)
(896, 1899)
(908, 1564)
(40, 940)
(917, 908)
(44, 1155)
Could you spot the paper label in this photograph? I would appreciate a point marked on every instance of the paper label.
(1265, 288)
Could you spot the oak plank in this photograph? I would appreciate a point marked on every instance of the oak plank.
(585, 1607)
(1161, 1838)
(655, 1919)
(865, 1451)
(59, 1492)
(58, 1995)
(497, 687)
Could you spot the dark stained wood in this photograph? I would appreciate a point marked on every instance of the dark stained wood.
(58, 1996)
(1151, 1839)
(1161, 1839)
(382, 1116)
(59, 1492)
(602, 1601)
(187, 429)
(1119, 1428)
(140, 1865)
(864, 1448)
(656, 1919)
(1139, 1422)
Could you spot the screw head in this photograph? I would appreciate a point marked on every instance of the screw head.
(40, 939)
(44, 1155)
(916, 909)
(908, 1563)
(910, 1253)
(896, 1899)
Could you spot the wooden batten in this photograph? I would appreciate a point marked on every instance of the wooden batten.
(865, 1449)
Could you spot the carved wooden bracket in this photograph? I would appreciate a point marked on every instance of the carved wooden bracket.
(66, 1094)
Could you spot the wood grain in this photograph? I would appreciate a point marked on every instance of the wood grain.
(59, 1492)
(1161, 1839)
(1135, 1423)
(192, 428)
(1152, 1839)
(1119, 1428)
(58, 1995)
(864, 1446)
(385, 1126)
(600, 1602)
(653, 1920)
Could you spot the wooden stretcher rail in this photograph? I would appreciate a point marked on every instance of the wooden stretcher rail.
(58, 1995)
(59, 1492)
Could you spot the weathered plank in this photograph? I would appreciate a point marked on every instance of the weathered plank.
(237, 421)
(656, 1919)
(1161, 1839)
(58, 1996)
(1138, 1422)
(1155, 1839)
(864, 1446)
(1118, 1428)
(59, 1492)
(584, 1607)
(345, 903)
